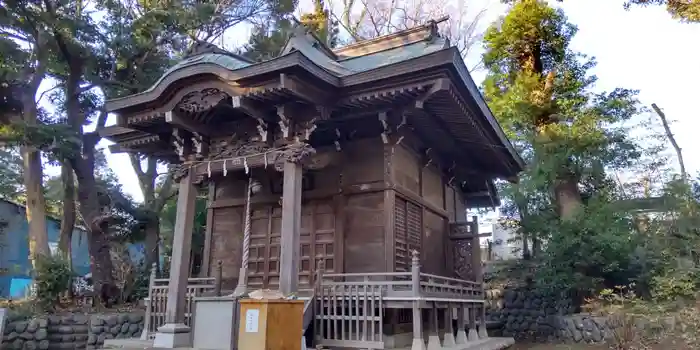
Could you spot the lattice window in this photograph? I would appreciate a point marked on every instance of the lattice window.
(408, 230)
(400, 234)
(414, 226)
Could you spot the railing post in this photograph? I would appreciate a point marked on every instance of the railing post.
(218, 276)
(417, 343)
(319, 306)
(147, 303)
(483, 333)
(319, 272)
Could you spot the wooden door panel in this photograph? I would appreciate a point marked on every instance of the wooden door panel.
(317, 240)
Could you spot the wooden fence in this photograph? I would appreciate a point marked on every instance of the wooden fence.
(158, 298)
(349, 308)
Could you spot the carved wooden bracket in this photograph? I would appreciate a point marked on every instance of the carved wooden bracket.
(253, 111)
(428, 157)
(201, 100)
(337, 140)
(298, 153)
(306, 129)
(451, 173)
(385, 127)
(324, 112)
(284, 122)
(463, 230)
(179, 143)
(200, 145)
(441, 84)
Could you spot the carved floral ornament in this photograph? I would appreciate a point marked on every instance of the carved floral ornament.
(250, 155)
(201, 100)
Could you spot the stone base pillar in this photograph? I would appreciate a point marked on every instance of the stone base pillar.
(449, 340)
(434, 342)
(173, 335)
(461, 336)
(472, 335)
(483, 334)
(417, 344)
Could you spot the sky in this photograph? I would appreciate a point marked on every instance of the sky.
(643, 49)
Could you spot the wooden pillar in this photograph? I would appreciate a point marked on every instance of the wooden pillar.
(448, 340)
(461, 325)
(417, 343)
(472, 335)
(434, 337)
(476, 252)
(291, 225)
(175, 333)
(483, 333)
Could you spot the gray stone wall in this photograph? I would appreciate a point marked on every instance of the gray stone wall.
(583, 328)
(587, 328)
(70, 331)
(528, 313)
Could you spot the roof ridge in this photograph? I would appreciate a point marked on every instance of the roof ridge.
(423, 32)
(201, 47)
(300, 31)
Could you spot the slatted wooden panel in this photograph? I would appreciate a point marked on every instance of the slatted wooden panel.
(350, 315)
(403, 260)
(317, 239)
(227, 235)
(263, 263)
(408, 228)
(317, 242)
(414, 226)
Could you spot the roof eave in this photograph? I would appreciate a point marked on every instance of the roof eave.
(474, 92)
(294, 59)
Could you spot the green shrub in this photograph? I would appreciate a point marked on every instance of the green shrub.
(52, 277)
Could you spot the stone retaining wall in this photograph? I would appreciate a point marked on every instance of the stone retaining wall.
(583, 328)
(71, 331)
(527, 313)
(587, 328)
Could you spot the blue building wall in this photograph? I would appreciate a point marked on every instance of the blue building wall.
(14, 249)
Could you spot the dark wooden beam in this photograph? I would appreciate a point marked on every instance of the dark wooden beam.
(217, 166)
(306, 91)
(254, 111)
(442, 84)
(186, 123)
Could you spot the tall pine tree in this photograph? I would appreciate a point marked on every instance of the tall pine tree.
(541, 92)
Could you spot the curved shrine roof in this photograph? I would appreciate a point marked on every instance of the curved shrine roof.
(351, 76)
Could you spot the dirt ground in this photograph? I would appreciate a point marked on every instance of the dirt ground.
(666, 345)
(559, 347)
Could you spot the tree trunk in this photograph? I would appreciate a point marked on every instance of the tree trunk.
(36, 204)
(568, 198)
(96, 222)
(672, 139)
(68, 212)
(152, 238)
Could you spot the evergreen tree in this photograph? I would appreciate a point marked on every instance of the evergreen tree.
(685, 10)
(541, 92)
(320, 23)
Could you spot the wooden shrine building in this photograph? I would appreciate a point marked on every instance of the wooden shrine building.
(328, 167)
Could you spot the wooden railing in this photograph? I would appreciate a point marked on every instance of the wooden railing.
(157, 300)
(446, 287)
(349, 308)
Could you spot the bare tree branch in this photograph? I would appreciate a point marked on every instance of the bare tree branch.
(671, 139)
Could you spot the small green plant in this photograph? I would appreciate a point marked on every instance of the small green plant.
(52, 278)
(674, 287)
